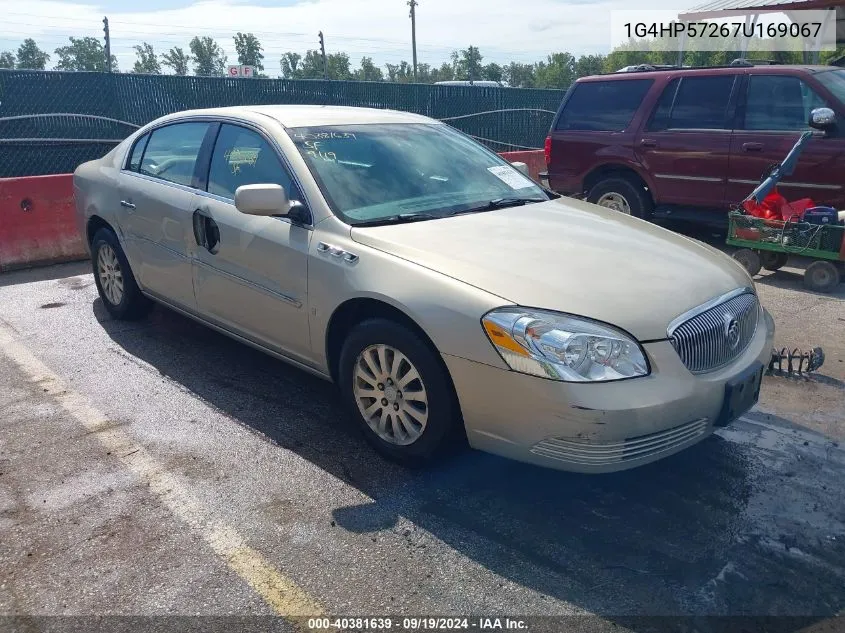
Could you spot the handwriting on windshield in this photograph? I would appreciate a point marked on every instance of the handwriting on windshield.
(306, 136)
(313, 148)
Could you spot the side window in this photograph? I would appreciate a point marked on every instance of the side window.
(137, 152)
(172, 151)
(779, 102)
(243, 157)
(695, 103)
(605, 106)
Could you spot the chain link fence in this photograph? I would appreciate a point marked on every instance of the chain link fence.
(50, 122)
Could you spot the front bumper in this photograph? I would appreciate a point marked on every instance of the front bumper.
(598, 427)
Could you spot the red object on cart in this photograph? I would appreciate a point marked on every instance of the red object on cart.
(775, 207)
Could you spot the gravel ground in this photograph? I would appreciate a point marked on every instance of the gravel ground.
(750, 522)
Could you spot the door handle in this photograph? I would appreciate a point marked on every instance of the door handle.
(206, 232)
(648, 142)
(127, 204)
(752, 147)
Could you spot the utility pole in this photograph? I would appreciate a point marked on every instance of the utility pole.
(108, 44)
(323, 52)
(413, 5)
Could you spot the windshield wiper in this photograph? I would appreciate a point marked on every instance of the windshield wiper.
(499, 203)
(401, 218)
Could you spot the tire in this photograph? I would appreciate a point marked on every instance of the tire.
(821, 276)
(749, 259)
(772, 260)
(622, 194)
(115, 282)
(440, 411)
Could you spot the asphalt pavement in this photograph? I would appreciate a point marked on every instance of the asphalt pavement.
(159, 468)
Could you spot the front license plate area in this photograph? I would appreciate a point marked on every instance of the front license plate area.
(741, 394)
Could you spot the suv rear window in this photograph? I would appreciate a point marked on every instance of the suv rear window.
(695, 103)
(605, 106)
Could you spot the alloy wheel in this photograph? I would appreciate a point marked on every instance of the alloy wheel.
(390, 394)
(111, 277)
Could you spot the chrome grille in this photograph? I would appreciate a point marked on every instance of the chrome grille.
(716, 333)
(633, 448)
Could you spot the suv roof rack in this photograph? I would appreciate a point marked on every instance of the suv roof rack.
(738, 62)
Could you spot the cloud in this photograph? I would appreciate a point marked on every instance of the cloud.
(504, 30)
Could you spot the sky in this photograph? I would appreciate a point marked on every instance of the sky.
(504, 30)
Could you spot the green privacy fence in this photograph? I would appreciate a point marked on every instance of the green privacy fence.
(50, 122)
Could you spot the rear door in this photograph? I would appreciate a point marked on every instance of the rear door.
(251, 272)
(157, 191)
(774, 111)
(685, 144)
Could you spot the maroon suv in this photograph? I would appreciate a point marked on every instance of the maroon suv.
(686, 139)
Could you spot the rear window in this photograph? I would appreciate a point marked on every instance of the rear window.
(695, 103)
(605, 106)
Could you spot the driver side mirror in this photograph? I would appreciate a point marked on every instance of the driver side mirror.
(822, 119)
(269, 200)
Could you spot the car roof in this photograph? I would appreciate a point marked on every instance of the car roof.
(307, 115)
(760, 69)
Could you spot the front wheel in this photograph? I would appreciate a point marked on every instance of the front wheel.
(115, 281)
(750, 260)
(773, 261)
(397, 390)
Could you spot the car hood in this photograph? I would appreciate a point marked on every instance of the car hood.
(569, 256)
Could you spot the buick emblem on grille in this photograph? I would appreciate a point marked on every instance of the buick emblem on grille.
(731, 331)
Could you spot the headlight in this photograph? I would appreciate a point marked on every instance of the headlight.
(563, 347)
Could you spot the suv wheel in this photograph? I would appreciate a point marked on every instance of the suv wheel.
(397, 391)
(621, 194)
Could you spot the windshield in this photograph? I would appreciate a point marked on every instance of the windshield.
(833, 80)
(379, 171)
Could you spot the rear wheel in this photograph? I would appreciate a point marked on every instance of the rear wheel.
(115, 281)
(397, 390)
(622, 194)
(749, 259)
(821, 276)
(772, 260)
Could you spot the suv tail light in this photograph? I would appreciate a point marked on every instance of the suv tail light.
(547, 149)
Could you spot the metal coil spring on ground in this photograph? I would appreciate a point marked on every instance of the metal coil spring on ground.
(798, 362)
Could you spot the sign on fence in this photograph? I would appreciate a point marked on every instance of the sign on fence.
(241, 71)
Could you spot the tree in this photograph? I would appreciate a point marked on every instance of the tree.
(177, 60)
(209, 58)
(368, 71)
(492, 72)
(589, 65)
(558, 71)
(291, 68)
(519, 75)
(467, 64)
(147, 63)
(31, 57)
(249, 50)
(446, 72)
(402, 72)
(85, 53)
(338, 64)
(7, 59)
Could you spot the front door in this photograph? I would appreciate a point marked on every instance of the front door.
(156, 195)
(776, 111)
(250, 273)
(685, 145)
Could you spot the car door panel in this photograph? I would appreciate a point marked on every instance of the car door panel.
(254, 279)
(775, 112)
(157, 229)
(686, 143)
(250, 272)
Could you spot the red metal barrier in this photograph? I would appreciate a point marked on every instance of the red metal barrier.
(535, 159)
(37, 223)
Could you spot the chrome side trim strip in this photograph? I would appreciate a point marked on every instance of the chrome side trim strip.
(249, 284)
(805, 185)
(691, 178)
